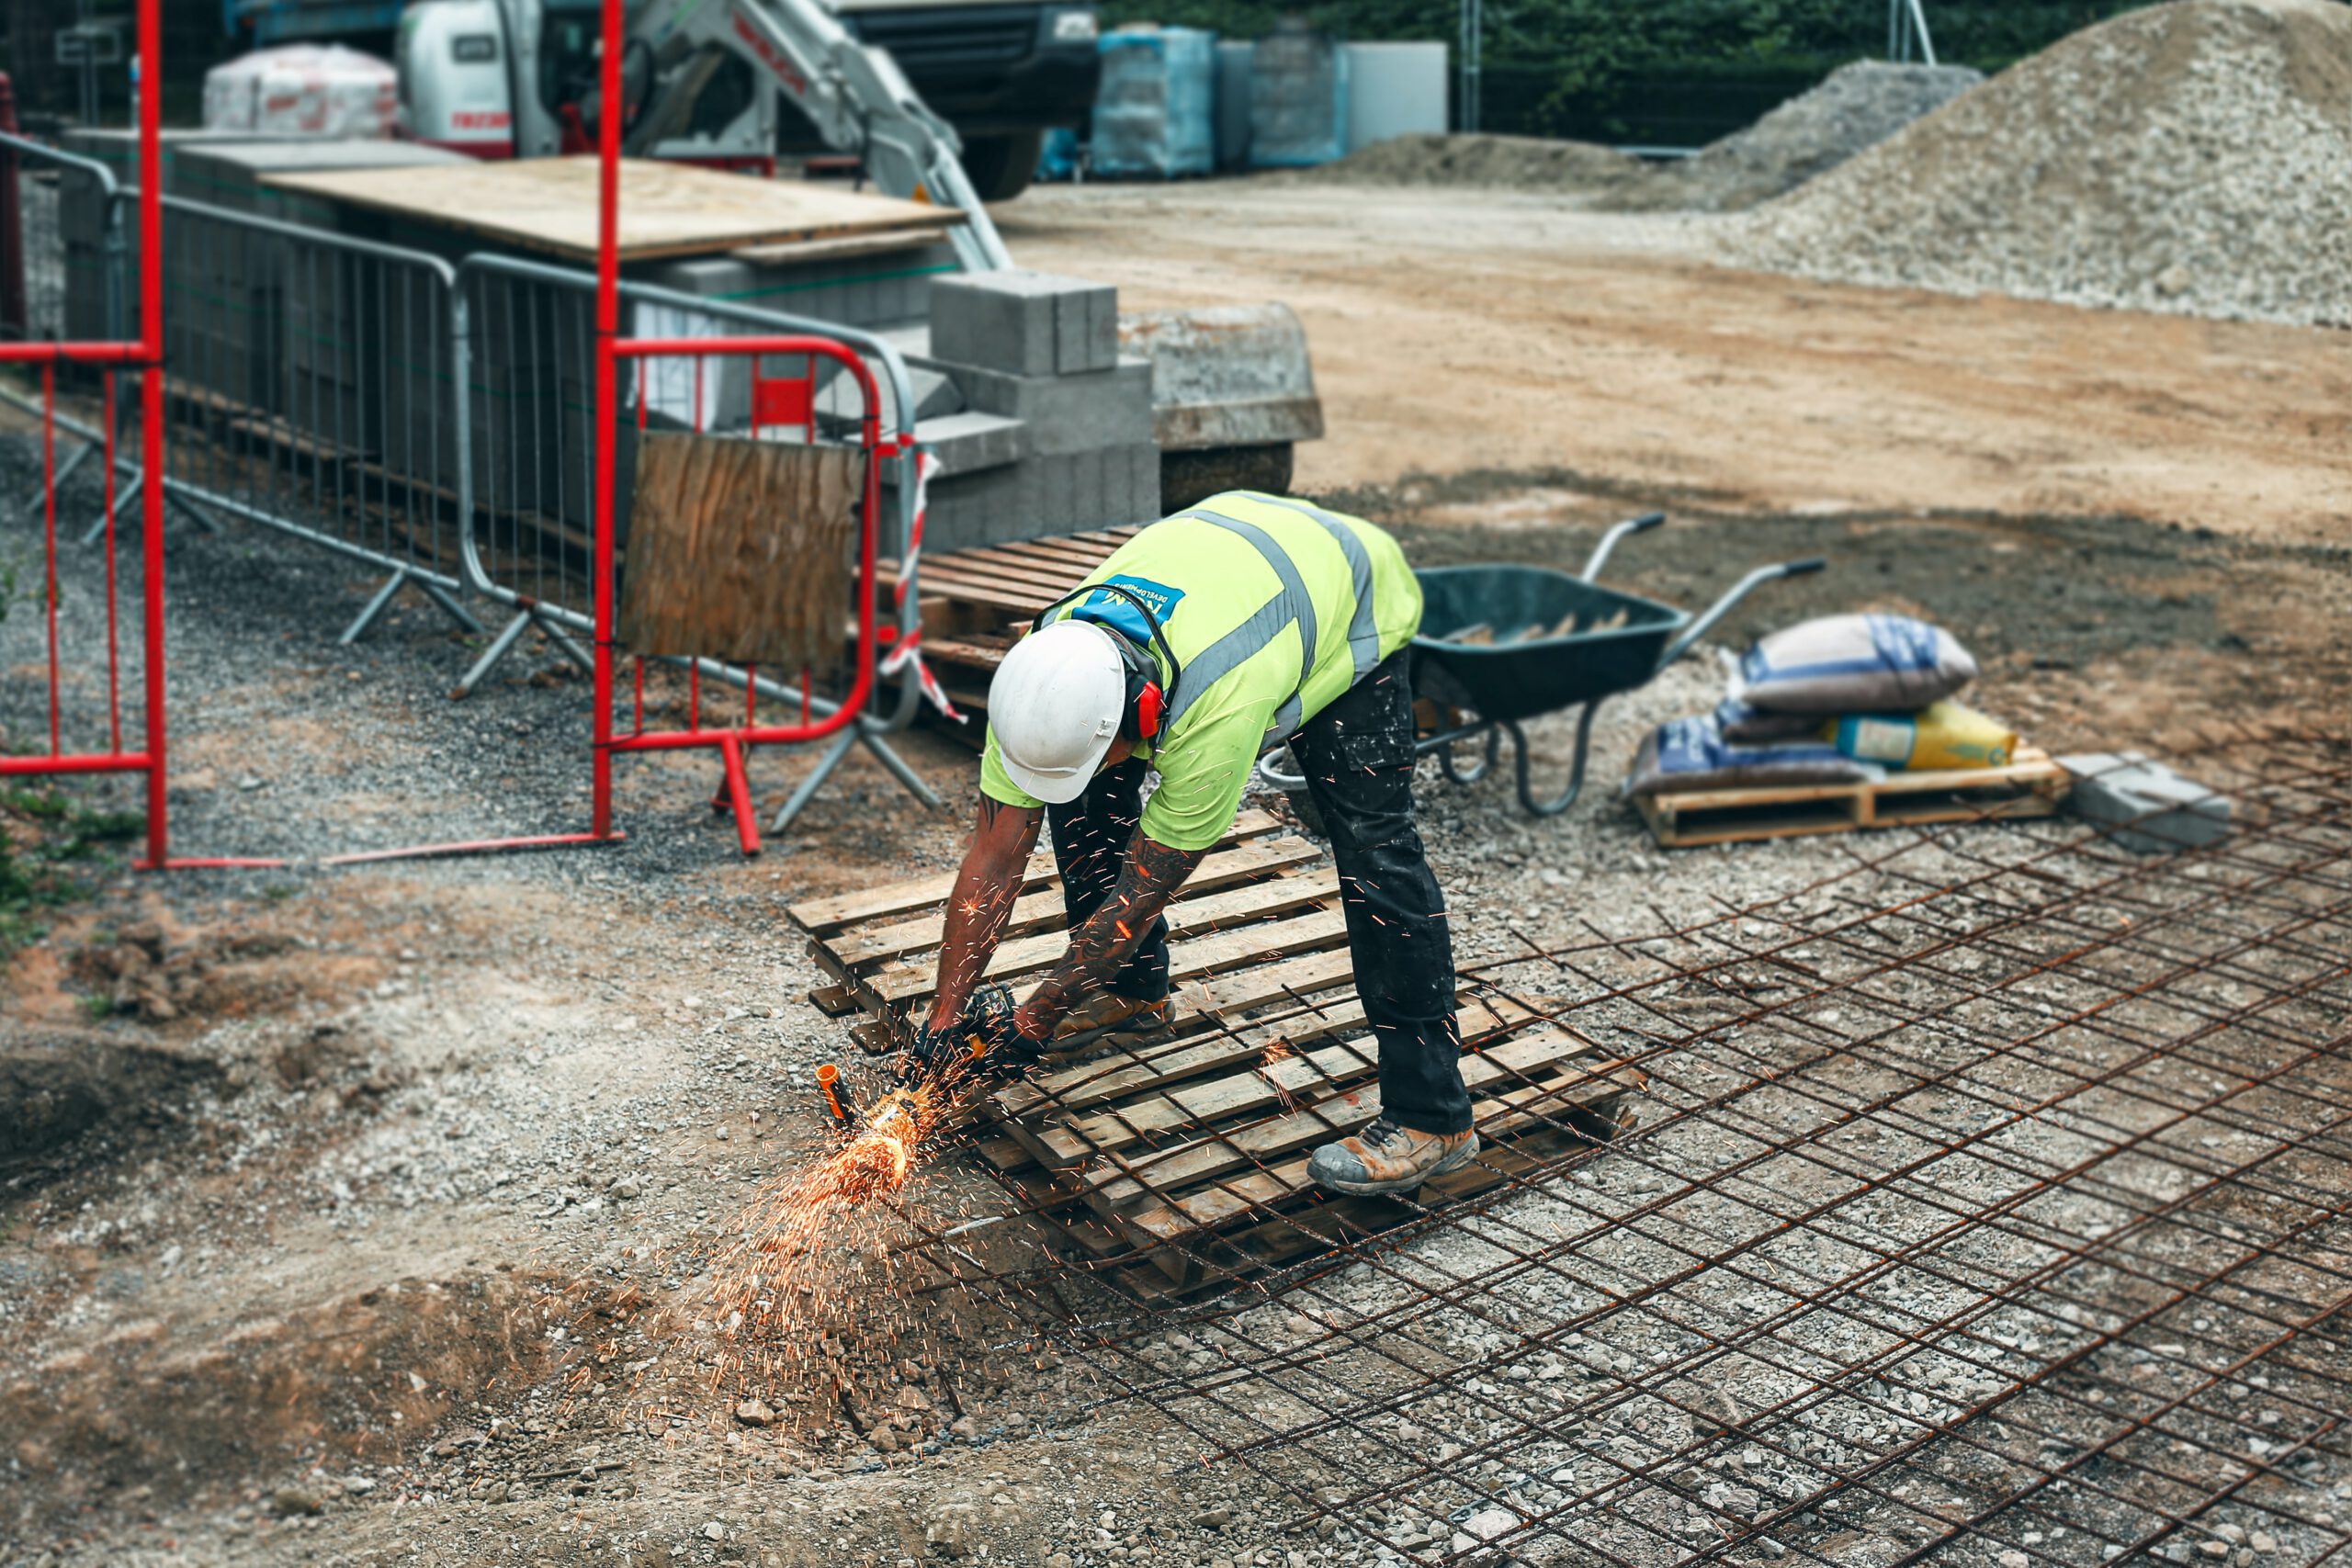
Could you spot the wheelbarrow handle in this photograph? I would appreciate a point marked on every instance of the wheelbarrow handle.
(1724, 606)
(1600, 557)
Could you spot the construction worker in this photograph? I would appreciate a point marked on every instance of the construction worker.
(1199, 643)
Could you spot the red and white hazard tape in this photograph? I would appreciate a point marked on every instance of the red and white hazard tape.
(908, 648)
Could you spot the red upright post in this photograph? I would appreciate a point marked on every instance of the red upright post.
(13, 317)
(608, 328)
(151, 413)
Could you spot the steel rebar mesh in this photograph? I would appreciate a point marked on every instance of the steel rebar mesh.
(1989, 1207)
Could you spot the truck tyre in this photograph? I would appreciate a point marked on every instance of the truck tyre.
(1187, 478)
(999, 166)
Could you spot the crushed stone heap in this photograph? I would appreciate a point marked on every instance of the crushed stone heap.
(2194, 157)
(1854, 107)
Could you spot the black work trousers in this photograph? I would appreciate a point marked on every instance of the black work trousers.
(1358, 755)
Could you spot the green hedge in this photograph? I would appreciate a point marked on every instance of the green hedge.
(1678, 72)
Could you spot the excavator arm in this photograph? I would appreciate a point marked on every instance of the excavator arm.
(853, 93)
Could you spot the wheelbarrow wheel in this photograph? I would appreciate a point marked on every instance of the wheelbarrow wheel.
(1456, 774)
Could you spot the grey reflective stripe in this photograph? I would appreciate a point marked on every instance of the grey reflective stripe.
(1363, 631)
(1233, 650)
(1236, 647)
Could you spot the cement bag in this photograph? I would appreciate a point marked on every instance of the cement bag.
(303, 90)
(1941, 735)
(1746, 726)
(1853, 664)
(1691, 753)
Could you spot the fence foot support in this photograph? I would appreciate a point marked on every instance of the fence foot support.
(383, 602)
(834, 752)
(503, 644)
(906, 775)
(500, 646)
(67, 469)
(735, 791)
(193, 514)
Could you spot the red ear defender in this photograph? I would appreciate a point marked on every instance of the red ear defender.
(1149, 710)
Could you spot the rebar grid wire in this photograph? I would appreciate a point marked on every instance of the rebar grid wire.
(1990, 1207)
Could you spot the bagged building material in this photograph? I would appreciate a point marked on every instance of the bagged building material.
(1859, 663)
(1746, 726)
(305, 90)
(1942, 735)
(1686, 754)
(1153, 112)
(1298, 98)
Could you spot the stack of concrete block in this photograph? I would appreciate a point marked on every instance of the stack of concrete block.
(334, 340)
(82, 217)
(2144, 806)
(1055, 435)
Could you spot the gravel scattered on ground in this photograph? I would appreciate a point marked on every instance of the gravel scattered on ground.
(1857, 107)
(2193, 158)
(1505, 163)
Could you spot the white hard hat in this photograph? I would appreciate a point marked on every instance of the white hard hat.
(1054, 707)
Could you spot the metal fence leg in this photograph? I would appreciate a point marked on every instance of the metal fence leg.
(500, 646)
(899, 769)
(375, 609)
(566, 643)
(834, 752)
(383, 602)
(449, 604)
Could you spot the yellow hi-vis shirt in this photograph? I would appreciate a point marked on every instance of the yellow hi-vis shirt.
(1275, 608)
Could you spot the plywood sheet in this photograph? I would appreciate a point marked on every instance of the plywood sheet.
(667, 210)
(738, 549)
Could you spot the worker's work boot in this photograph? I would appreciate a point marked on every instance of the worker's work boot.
(1386, 1157)
(1106, 1020)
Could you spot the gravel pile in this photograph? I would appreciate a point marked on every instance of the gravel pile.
(1858, 107)
(2194, 158)
(1505, 163)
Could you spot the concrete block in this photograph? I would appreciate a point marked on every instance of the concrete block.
(1025, 323)
(2150, 810)
(937, 397)
(966, 443)
(1068, 414)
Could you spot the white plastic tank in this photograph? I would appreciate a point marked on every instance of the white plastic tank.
(1394, 89)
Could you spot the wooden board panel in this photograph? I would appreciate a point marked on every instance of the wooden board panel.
(667, 210)
(2033, 785)
(736, 550)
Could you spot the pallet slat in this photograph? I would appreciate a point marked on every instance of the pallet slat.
(2032, 785)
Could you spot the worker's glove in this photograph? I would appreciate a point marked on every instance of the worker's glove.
(999, 1049)
(984, 1042)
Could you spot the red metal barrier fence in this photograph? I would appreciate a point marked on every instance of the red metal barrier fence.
(78, 741)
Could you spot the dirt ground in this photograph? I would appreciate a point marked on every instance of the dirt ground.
(1465, 330)
(358, 1216)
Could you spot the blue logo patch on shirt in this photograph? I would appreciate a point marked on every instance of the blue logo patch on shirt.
(1118, 612)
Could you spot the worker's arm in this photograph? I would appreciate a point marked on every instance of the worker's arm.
(994, 864)
(1148, 879)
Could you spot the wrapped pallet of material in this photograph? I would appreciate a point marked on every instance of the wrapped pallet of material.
(1154, 115)
(303, 90)
(1298, 98)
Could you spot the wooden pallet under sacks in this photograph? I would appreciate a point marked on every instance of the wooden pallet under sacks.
(2032, 785)
(1183, 1162)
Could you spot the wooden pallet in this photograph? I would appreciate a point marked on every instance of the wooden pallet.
(2032, 785)
(1184, 1161)
(976, 603)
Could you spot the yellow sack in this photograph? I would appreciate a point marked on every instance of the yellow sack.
(1941, 735)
